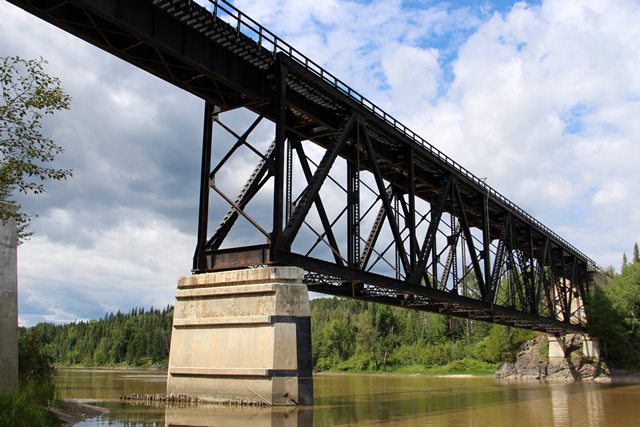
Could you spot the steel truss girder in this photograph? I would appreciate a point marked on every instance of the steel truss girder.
(185, 45)
(331, 280)
(310, 194)
(520, 278)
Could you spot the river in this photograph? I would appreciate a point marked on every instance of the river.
(372, 400)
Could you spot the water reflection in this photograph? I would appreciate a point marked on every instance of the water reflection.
(372, 400)
(241, 417)
(594, 408)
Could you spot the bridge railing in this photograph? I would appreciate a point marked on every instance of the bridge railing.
(269, 41)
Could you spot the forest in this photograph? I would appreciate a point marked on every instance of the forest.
(351, 335)
(138, 338)
(348, 335)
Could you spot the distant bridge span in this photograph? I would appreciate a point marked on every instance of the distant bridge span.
(410, 226)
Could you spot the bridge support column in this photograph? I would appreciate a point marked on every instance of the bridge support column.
(560, 347)
(8, 304)
(242, 335)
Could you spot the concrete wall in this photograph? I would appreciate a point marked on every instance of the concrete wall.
(8, 304)
(242, 335)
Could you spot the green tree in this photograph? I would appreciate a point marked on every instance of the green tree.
(607, 323)
(636, 253)
(35, 362)
(503, 342)
(368, 349)
(29, 94)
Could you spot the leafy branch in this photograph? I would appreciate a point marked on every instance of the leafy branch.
(29, 94)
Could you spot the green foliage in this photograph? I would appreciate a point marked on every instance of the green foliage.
(28, 96)
(503, 343)
(35, 364)
(614, 317)
(359, 336)
(28, 404)
(24, 407)
(138, 338)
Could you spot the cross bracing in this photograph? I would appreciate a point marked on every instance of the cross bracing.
(378, 213)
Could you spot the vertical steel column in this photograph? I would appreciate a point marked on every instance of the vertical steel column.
(353, 205)
(434, 254)
(289, 181)
(199, 259)
(396, 208)
(486, 242)
(280, 109)
(532, 275)
(565, 310)
(454, 254)
(411, 217)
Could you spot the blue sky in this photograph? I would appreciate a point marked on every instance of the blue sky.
(542, 98)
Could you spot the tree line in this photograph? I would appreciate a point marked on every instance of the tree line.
(352, 335)
(347, 335)
(138, 338)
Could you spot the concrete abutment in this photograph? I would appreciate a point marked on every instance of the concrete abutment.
(242, 336)
(8, 303)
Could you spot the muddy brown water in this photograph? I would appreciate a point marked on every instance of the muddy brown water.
(371, 400)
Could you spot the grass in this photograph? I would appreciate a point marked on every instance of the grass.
(28, 406)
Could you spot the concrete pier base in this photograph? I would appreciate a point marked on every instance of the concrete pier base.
(242, 335)
(559, 347)
(8, 304)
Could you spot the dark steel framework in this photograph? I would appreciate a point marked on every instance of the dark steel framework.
(378, 214)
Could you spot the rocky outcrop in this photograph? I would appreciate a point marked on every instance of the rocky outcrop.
(533, 363)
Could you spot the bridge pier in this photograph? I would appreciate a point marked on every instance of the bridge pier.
(8, 304)
(242, 335)
(561, 346)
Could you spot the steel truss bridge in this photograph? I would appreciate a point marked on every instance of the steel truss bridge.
(378, 214)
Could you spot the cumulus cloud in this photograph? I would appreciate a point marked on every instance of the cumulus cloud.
(135, 263)
(542, 98)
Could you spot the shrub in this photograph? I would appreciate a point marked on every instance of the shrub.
(24, 406)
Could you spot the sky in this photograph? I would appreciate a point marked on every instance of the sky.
(541, 98)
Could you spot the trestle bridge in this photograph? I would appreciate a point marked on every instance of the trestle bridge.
(368, 208)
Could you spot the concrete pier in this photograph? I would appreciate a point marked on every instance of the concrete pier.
(242, 335)
(560, 346)
(8, 304)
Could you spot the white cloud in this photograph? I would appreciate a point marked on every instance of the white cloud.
(412, 73)
(542, 103)
(136, 263)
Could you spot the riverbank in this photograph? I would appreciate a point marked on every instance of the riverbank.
(401, 374)
(120, 367)
(459, 367)
(73, 411)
